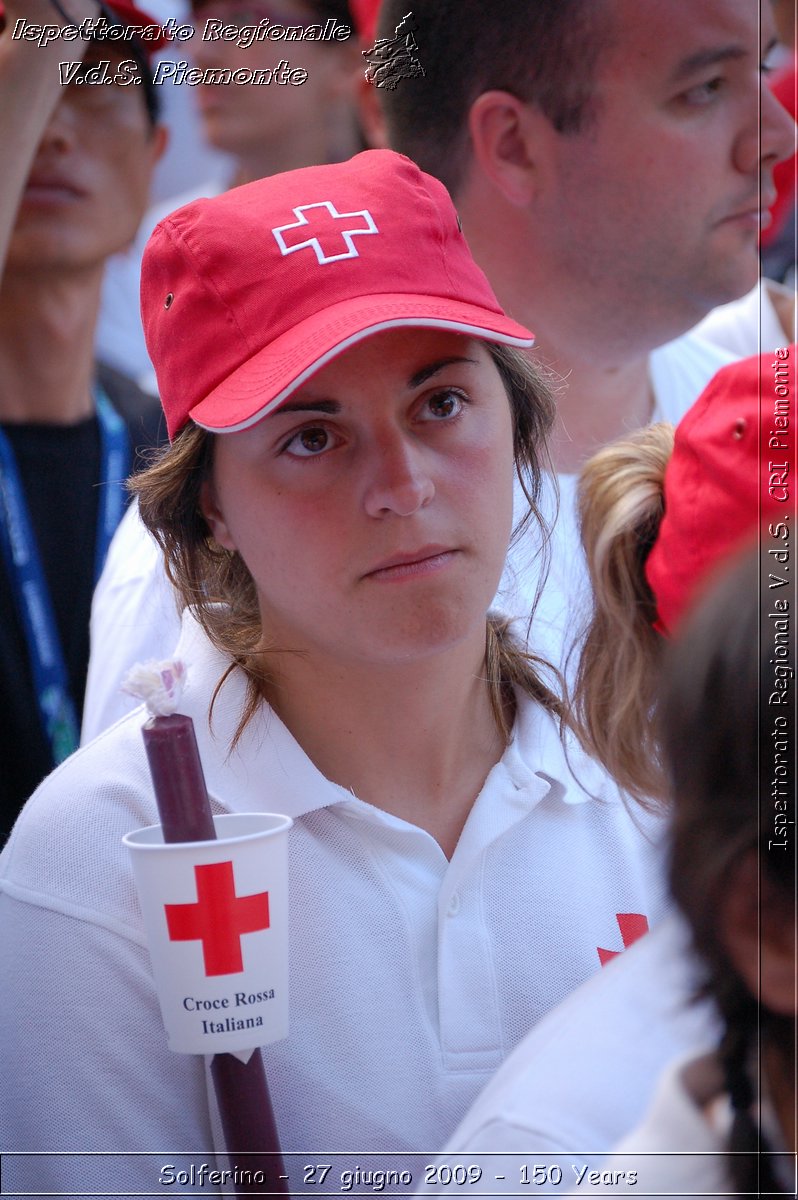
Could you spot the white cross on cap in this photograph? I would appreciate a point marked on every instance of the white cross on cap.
(313, 241)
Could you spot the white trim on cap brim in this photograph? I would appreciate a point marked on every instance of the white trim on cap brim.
(478, 331)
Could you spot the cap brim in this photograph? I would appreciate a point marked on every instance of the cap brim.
(264, 381)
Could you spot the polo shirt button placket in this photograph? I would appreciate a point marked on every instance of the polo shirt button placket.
(470, 1027)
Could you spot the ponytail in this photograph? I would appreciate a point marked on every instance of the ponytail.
(620, 502)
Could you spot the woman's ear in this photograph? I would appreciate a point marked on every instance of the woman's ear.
(209, 506)
(757, 927)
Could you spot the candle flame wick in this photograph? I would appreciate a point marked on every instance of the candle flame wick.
(158, 684)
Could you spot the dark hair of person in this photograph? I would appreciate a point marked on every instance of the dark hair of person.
(544, 52)
(336, 10)
(218, 586)
(716, 752)
(136, 51)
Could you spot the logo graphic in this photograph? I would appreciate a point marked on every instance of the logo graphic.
(632, 927)
(392, 59)
(218, 919)
(322, 225)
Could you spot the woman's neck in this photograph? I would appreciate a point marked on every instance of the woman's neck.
(417, 741)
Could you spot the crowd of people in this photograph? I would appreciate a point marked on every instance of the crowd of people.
(447, 435)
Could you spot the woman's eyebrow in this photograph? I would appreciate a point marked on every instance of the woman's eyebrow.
(427, 372)
(330, 407)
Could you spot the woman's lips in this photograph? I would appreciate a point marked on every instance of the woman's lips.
(424, 561)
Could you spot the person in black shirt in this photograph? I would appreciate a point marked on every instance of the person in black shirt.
(77, 165)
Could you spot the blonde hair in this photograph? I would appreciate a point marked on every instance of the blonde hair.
(620, 504)
(217, 585)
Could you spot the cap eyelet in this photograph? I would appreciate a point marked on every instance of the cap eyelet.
(168, 301)
(740, 426)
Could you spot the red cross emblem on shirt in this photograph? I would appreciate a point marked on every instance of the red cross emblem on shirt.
(323, 231)
(218, 919)
(632, 927)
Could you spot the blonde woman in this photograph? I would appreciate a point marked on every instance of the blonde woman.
(660, 513)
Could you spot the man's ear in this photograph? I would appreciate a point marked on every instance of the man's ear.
(757, 928)
(159, 141)
(209, 507)
(510, 139)
(371, 115)
(347, 68)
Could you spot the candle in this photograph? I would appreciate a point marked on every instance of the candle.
(172, 753)
(242, 1092)
(177, 777)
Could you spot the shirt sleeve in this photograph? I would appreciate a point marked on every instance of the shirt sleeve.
(85, 1072)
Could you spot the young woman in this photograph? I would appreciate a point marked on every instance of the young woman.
(347, 413)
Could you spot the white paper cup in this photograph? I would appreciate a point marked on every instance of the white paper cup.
(216, 919)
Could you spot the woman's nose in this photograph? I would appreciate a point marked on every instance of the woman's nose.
(400, 481)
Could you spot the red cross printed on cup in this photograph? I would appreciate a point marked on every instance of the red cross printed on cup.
(218, 919)
(327, 224)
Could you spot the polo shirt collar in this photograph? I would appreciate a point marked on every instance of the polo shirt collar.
(269, 771)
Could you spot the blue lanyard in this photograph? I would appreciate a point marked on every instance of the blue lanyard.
(20, 552)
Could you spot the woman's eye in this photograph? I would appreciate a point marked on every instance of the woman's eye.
(309, 442)
(443, 406)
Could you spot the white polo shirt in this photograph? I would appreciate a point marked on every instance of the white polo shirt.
(412, 977)
(584, 1075)
(680, 1148)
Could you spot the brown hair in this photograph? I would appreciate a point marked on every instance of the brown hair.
(718, 746)
(620, 503)
(218, 586)
(545, 52)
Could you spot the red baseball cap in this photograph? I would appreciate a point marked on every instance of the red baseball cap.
(245, 295)
(731, 473)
